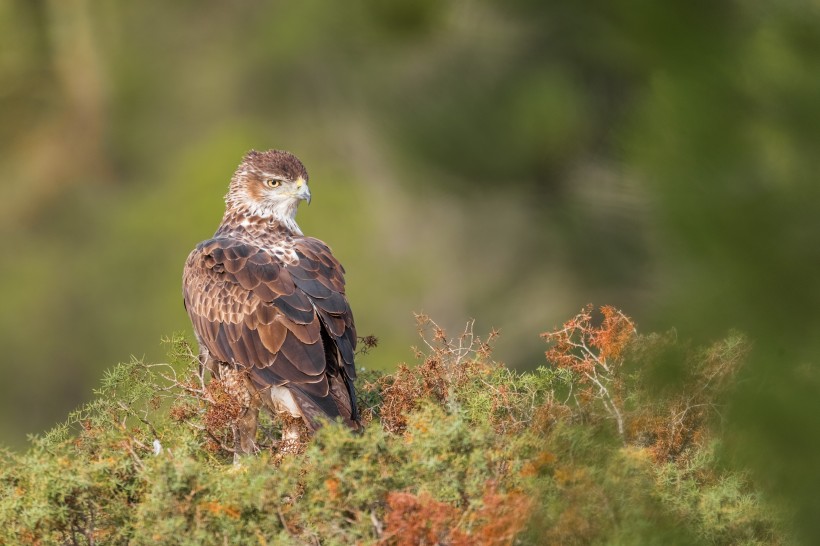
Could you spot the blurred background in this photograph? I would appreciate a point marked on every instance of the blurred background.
(508, 161)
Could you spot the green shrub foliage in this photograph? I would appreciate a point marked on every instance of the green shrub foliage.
(615, 440)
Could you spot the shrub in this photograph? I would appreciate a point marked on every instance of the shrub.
(457, 449)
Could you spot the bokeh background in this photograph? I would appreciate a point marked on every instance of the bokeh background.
(507, 161)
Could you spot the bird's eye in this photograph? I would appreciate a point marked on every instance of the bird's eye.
(272, 183)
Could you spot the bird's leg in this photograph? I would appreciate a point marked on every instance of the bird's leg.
(244, 429)
(207, 362)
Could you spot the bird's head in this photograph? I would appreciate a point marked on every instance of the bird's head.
(269, 185)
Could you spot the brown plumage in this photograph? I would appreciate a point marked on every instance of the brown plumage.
(268, 304)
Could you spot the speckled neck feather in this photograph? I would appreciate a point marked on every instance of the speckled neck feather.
(239, 224)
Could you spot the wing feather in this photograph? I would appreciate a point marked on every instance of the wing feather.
(272, 336)
(312, 287)
(306, 333)
(290, 308)
(334, 324)
(287, 323)
(308, 358)
(334, 304)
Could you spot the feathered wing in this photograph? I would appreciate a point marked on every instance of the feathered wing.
(288, 324)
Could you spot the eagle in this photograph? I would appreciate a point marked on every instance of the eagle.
(268, 305)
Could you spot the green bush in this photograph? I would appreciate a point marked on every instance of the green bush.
(456, 450)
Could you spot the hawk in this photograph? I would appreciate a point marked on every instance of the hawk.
(268, 305)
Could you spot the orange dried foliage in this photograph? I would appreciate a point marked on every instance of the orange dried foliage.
(594, 354)
(670, 435)
(432, 380)
(670, 430)
(400, 394)
(616, 331)
(182, 411)
(221, 411)
(419, 520)
(413, 520)
(548, 414)
(217, 509)
(332, 486)
(28, 537)
(501, 518)
(450, 364)
(544, 461)
(581, 346)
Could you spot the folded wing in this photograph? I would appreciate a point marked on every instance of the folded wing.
(287, 322)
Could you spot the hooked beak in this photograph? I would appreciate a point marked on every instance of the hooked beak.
(303, 192)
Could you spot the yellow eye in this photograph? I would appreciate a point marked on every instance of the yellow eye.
(272, 183)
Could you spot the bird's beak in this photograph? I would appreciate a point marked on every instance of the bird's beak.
(302, 190)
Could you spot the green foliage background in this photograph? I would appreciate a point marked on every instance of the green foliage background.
(510, 161)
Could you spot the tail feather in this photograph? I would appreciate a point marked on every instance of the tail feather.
(338, 403)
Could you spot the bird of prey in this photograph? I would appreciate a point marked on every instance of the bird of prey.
(268, 304)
